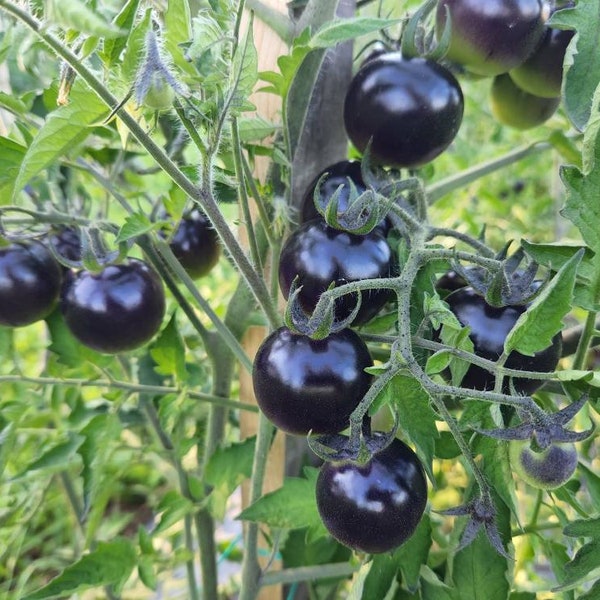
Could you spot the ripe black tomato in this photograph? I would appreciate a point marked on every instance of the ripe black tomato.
(115, 310)
(541, 74)
(195, 244)
(409, 109)
(30, 281)
(490, 37)
(376, 506)
(319, 255)
(517, 108)
(546, 469)
(303, 384)
(490, 326)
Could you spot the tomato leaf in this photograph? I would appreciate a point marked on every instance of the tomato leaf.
(168, 352)
(135, 225)
(63, 129)
(226, 470)
(111, 563)
(292, 506)
(341, 30)
(415, 416)
(582, 60)
(11, 157)
(174, 508)
(123, 21)
(74, 14)
(536, 327)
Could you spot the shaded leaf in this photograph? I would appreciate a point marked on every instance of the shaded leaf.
(168, 352)
(76, 15)
(341, 30)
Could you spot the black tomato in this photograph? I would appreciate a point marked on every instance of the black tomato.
(115, 310)
(489, 327)
(541, 74)
(409, 109)
(517, 108)
(30, 282)
(546, 469)
(319, 255)
(490, 37)
(344, 173)
(67, 243)
(195, 244)
(303, 384)
(376, 506)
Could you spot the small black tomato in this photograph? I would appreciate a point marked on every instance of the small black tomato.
(376, 506)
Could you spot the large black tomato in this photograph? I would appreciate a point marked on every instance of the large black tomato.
(517, 108)
(30, 282)
(541, 74)
(376, 506)
(547, 469)
(303, 384)
(490, 326)
(319, 255)
(115, 310)
(195, 244)
(409, 109)
(490, 37)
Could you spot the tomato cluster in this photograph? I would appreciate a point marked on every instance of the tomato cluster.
(115, 308)
(510, 41)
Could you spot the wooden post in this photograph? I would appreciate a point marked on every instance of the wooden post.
(268, 106)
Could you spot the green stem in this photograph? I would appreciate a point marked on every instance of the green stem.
(133, 388)
(201, 195)
(330, 571)
(251, 571)
(441, 188)
(585, 341)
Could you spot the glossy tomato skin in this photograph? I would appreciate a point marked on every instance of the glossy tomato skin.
(195, 244)
(115, 310)
(489, 328)
(517, 108)
(304, 385)
(490, 37)
(374, 507)
(320, 255)
(541, 73)
(30, 280)
(547, 469)
(410, 109)
(343, 173)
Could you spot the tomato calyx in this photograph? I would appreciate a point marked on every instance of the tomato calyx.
(543, 429)
(482, 515)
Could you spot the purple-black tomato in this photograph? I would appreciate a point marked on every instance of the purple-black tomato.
(376, 506)
(30, 280)
(304, 385)
(490, 37)
(546, 469)
(320, 255)
(490, 326)
(409, 110)
(115, 310)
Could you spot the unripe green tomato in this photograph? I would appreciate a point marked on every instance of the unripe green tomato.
(160, 95)
(545, 470)
(517, 108)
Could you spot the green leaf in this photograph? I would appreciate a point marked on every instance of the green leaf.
(341, 30)
(123, 21)
(380, 577)
(63, 129)
(582, 60)
(434, 589)
(412, 555)
(135, 225)
(174, 508)
(254, 129)
(11, 157)
(168, 352)
(58, 458)
(584, 528)
(147, 572)
(76, 15)
(111, 563)
(225, 471)
(536, 327)
(479, 572)
(593, 593)
(415, 416)
(177, 31)
(292, 506)
(244, 73)
(582, 207)
(13, 103)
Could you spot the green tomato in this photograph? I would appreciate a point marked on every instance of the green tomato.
(160, 95)
(517, 108)
(545, 470)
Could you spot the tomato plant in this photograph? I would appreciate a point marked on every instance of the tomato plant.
(169, 156)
